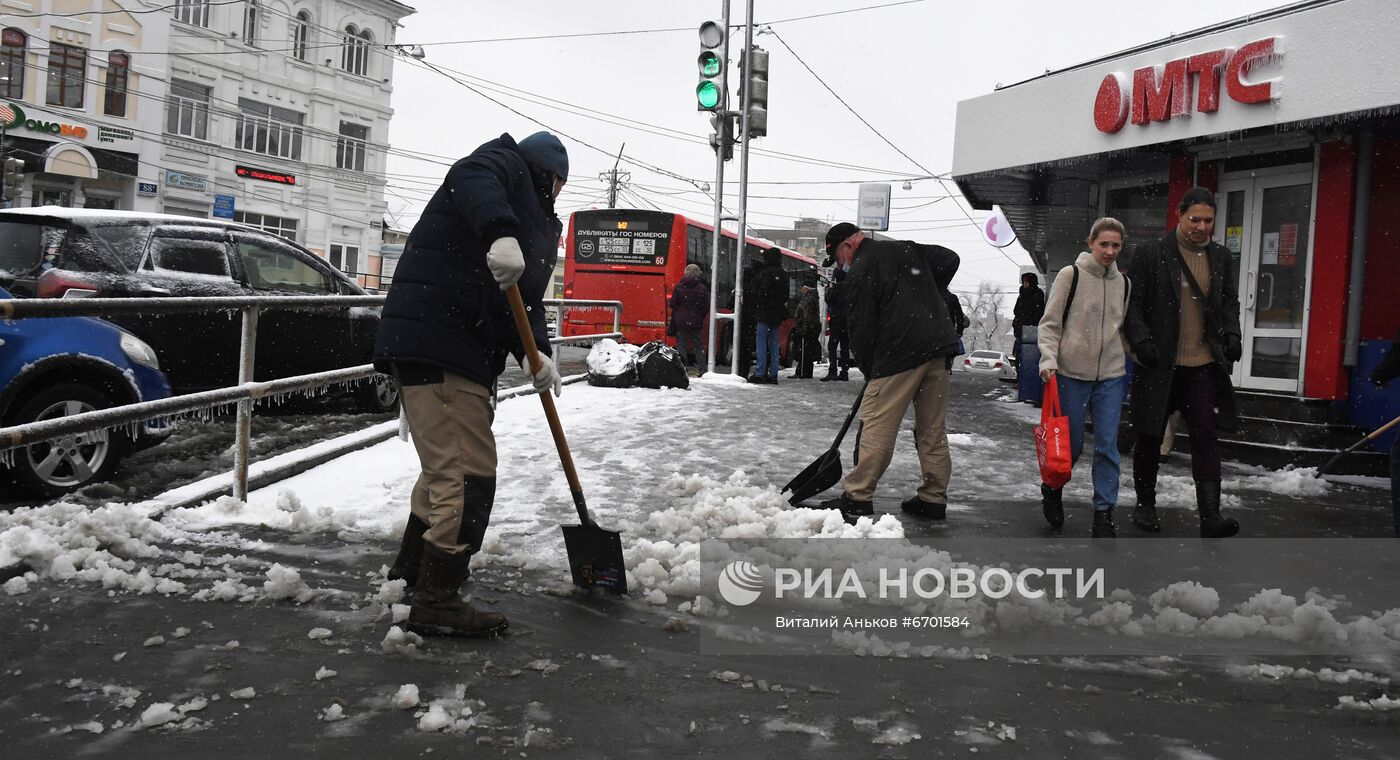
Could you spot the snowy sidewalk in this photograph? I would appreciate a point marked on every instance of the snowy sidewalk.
(266, 628)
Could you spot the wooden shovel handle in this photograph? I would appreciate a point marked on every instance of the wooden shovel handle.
(532, 356)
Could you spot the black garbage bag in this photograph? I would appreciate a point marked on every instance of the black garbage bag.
(612, 365)
(661, 366)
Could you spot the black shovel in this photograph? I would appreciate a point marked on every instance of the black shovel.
(595, 554)
(1371, 437)
(826, 471)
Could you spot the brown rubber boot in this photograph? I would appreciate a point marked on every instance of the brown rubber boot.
(438, 608)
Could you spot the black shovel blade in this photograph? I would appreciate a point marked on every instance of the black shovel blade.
(819, 476)
(595, 557)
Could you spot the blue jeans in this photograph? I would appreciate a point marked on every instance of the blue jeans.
(767, 341)
(1103, 400)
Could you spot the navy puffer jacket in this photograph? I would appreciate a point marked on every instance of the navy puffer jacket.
(444, 307)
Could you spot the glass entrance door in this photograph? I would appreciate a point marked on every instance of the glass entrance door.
(1266, 223)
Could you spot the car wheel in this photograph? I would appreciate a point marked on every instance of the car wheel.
(52, 468)
(378, 395)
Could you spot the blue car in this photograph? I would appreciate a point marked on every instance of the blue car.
(59, 366)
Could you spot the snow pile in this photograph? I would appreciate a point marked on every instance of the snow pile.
(1290, 481)
(1284, 672)
(1383, 703)
(286, 583)
(453, 714)
(405, 697)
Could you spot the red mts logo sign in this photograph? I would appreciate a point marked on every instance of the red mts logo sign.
(1161, 93)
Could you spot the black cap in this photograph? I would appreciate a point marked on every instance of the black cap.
(834, 237)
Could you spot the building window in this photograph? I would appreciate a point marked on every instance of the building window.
(67, 69)
(13, 44)
(346, 258)
(269, 129)
(350, 147)
(187, 113)
(250, 22)
(301, 32)
(275, 225)
(118, 69)
(355, 55)
(192, 12)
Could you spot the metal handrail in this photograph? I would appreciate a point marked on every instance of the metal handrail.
(246, 392)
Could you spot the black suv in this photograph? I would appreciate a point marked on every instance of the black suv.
(51, 252)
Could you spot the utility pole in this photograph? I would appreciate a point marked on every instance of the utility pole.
(735, 340)
(612, 179)
(743, 182)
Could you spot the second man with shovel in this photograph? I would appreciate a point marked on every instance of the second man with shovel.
(901, 336)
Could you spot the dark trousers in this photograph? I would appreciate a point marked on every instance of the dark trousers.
(1193, 394)
(838, 340)
(1395, 483)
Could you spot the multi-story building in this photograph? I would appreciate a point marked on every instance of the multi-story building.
(278, 117)
(80, 101)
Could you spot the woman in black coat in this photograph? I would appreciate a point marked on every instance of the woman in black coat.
(1170, 374)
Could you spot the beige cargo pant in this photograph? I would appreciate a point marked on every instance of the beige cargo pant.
(450, 423)
(882, 410)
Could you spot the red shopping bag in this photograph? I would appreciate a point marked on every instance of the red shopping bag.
(1052, 439)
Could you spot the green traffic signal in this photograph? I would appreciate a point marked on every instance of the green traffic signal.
(707, 95)
(709, 64)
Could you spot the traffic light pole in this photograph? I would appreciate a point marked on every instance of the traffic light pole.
(743, 182)
(715, 316)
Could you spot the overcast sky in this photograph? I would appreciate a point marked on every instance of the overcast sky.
(903, 67)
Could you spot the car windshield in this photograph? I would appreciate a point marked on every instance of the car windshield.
(985, 355)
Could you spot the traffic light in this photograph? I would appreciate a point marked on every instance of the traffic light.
(709, 93)
(723, 137)
(754, 70)
(14, 178)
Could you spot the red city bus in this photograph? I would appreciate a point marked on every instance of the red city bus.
(637, 257)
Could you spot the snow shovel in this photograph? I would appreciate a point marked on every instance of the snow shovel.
(826, 471)
(1374, 435)
(595, 554)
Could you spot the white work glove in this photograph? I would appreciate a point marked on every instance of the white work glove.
(506, 260)
(548, 377)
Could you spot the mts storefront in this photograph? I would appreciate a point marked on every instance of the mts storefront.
(1288, 115)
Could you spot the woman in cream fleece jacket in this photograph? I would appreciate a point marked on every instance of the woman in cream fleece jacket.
(1083, 346)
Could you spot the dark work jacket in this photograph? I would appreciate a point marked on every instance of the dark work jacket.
(1389, 368)
(770, 295)
(690, 304)
(1030, 306)
(444, 308)
(809, 324)
(898, 320)
(1154, 314)
(836, 307)
(955, 312)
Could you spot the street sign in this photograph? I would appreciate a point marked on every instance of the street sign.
(874, 207)
(223, 206)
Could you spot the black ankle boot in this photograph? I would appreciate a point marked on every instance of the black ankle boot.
(920, 508)
(405, 566)
(1145, 516)
(1103, 524)
(1208, 505)
(1052, 505)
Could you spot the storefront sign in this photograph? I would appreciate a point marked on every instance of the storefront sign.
(13, 117)
(996, 230)
(146, 188)
(183, 181)
(1162, 93)
(249, 172)
(223, 207)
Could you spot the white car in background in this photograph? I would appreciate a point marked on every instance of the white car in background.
(993, 363)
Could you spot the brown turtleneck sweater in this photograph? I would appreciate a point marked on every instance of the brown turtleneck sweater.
(1192, 350)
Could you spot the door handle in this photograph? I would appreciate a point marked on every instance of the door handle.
(1269, 304)
(1249, 292)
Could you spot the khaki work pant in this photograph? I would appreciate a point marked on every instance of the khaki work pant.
(882, 410)
(450, 423)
